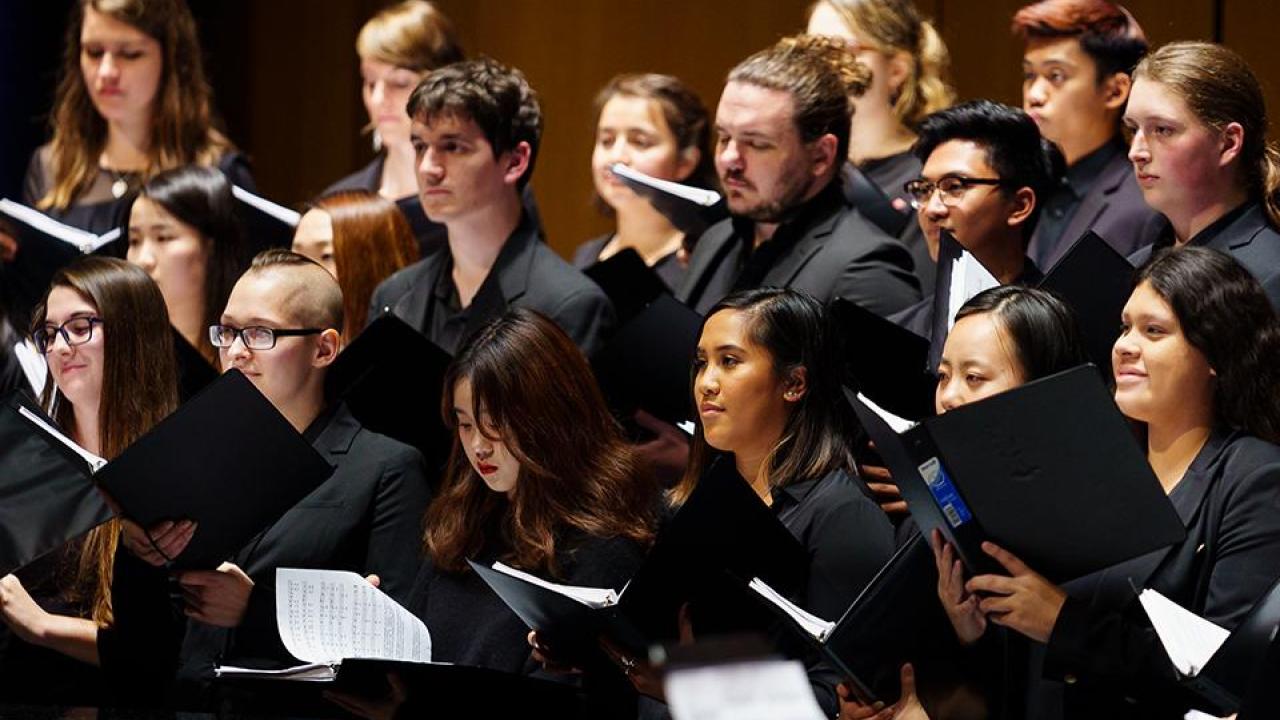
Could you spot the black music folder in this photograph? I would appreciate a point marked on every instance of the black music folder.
(47, 495)
(267, 224)
(691, 209)
(872, 202)
(885, 361)
(226, 459)
(722, 536)
(628, 281)
(456, 691)
(647, 364)
(45, 245)
(392, 379)
(960, 277)
(1095, 281)
(895, 619)
(1049, 470)
(1224, 681)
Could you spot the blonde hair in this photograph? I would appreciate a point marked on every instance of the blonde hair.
(892, 26)
(412, 34)
(1219, 88)
(182, 116)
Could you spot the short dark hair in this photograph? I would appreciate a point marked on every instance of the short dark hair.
(820, 74)
(1044, 330)
(1108, 34)
(1225, 314)
(496, 97)
(1015, 149)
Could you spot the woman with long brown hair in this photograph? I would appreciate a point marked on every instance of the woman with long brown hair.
(361, 239)
(105, 332)
(540, 478)
(133, 100)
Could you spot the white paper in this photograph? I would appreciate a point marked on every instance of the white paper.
(277, 211)
(33, 364)
(83, 240)
(95, 462)
(687, 426)
(696, 195)
(811, 623)
(895, 423)
(589, 596)
(763, 690)
(1197, 715)
(968, 278)
(310, 672)
(325, 616)
(1189, 639)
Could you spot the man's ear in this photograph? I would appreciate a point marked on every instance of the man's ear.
(328, 345)
(1115, 91)
(517, 162)
(797, 385)
(1024, 204)
(823, 154)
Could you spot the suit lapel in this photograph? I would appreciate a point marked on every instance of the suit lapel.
(790, 264)
(412, 306)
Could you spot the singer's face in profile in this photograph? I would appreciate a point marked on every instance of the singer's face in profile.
(764, 167)
(982, 214)
(739, 393)
(314, 239)
(485, 449)
(385, 90)
(978, 360)
(172, 252)
(284, 372)
(1174, 155)
(1159, 374)
(77, 369)
(633, 131)
(121, 66)
(458, 174)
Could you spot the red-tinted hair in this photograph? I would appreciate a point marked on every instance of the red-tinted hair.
(577, 472)
(1107, 32)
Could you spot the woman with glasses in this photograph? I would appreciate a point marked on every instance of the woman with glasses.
(1201, 155)
(185, 233)
(105, 333)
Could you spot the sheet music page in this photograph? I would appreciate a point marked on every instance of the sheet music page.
(95, 463)
(968, 278)
(895, 423)
(34, 366)
(696, 195)
(1189, 639)
(86, 241)
(811, 623)
(762, 690)
(328, 615)
(275, 210)
(589, 596)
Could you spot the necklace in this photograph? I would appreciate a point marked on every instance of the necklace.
(120, 186)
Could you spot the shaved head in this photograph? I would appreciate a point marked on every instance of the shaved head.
(307, 293)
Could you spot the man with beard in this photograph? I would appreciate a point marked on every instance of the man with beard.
(782, 134)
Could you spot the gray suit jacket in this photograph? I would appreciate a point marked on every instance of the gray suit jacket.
(526, 274)
(835, 252)
(1113, 208)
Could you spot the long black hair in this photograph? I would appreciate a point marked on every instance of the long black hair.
(1044, 330)
(793, 328)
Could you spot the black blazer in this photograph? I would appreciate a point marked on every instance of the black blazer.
(1103, 646)
(1113, 208)
(366, 518)
(527, 273)
(837, 253)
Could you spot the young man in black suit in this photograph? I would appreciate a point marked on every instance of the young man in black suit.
(782, 135)
(1076, 78)
(475, 132)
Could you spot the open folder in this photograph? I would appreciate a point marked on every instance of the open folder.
(896, 617)
(392, 379)
(722, 536)
(691, 209)
(267, 224)
(885, 361)
(45, 245)
(1095, 281)
(1050, 471)
(1214, 663)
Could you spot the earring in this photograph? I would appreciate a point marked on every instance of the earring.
(377, 141)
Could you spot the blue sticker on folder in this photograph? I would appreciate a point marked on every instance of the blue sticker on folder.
(944, 492)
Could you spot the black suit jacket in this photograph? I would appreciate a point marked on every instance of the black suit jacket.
(366, 518)
(527, 274)
(836, 253)
(1246, 235)
(1113, 208)
(1103, 646)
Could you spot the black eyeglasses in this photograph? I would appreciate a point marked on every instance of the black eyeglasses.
(76, 331)
(254, 337)
(951, 188)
